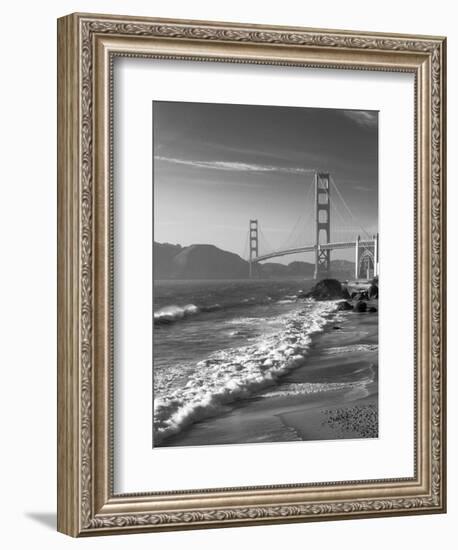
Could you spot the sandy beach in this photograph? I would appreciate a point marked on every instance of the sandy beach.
(333, 395)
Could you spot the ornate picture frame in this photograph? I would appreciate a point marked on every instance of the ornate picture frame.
(87, 45)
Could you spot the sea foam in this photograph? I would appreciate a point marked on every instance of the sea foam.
(237, 373)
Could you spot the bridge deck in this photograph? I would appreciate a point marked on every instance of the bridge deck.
(312, 248)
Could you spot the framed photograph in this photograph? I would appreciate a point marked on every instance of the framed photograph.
(251, 283)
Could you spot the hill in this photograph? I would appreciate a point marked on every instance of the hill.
(206, 261)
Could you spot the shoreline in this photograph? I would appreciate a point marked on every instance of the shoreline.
(332, 395)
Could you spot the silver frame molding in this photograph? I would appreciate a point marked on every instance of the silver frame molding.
(87, 45)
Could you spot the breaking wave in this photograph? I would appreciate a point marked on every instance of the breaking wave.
(172, 313)
(237, 373)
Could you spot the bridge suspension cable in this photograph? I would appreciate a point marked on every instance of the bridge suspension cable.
(289, 241)
(342, 229)
(347, 207)
(265, 245)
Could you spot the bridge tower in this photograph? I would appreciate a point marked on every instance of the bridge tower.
(322, 223)
(254, 245)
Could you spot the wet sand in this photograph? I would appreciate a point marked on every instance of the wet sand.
(334, 395)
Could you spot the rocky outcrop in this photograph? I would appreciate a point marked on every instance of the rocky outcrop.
(361, 295)
(360, 307)
(327, 289)
(373, 292)
(345, 293)
(344, 306)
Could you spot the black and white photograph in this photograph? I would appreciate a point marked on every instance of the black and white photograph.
(266, 274)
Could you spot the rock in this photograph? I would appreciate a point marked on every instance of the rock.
(344, 306)
(373, 291)
(345, 293)
(362, 295)
(360, 307)
(372, 310)
(326, 289)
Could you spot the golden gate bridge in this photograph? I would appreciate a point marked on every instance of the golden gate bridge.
(318, 225)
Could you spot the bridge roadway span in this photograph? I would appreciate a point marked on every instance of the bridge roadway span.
(313, 247)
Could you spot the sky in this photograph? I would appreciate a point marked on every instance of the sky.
(216, 166)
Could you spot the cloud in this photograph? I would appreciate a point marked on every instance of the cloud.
(361, 188)
(234, 166)
(366, 119)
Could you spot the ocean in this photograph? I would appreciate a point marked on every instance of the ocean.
(217, 343)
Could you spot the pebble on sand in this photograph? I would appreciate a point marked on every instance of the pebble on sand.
(362, 419)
